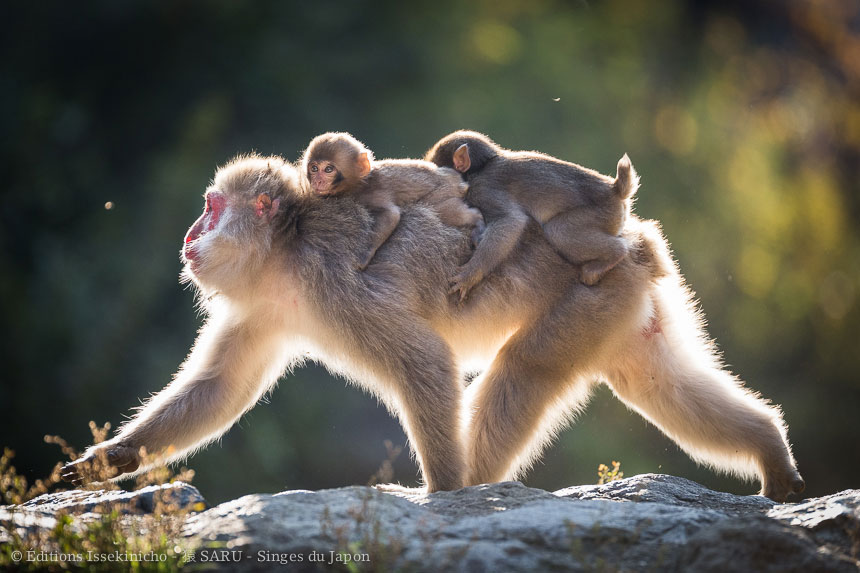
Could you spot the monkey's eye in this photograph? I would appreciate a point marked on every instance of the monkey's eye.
(314, 168)
(329, 168)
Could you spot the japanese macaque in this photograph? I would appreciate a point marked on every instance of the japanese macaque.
(273, 265)
(581, 211)
(337, 163)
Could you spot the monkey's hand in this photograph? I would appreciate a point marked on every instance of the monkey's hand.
(102, 464)
(464, 281)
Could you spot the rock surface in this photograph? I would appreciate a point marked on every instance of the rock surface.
(646, 522)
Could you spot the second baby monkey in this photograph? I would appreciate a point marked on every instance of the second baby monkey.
(581, 211)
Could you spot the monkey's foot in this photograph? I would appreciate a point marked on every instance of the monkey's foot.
(779, 488)
(463, 282)
(593, 271)
(102, 464)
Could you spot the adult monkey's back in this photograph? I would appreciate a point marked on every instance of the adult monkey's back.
(275, 269)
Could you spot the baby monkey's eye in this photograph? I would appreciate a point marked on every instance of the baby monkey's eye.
(329, 168)
(314, 168)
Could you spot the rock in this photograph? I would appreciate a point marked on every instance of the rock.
(40, 512)
(668, 490)
(179, 495)
(646, 522)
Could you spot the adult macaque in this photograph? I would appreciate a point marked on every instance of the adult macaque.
(582, 212)
(274, 268)
(337, 163)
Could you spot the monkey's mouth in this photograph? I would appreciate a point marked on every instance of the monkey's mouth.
(214, 206)
(197, 230)
(189, 253)
(189, 247)
(191, 257)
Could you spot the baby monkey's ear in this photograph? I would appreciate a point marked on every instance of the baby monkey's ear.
(462, 161)
(362, 164)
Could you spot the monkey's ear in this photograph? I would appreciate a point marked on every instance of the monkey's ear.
(362, 164)
(265, 207)
(462, 161)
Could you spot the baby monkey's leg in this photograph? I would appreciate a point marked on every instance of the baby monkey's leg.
(579, 239)
(455, 212)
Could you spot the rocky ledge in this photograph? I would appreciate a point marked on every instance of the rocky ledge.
(646, 522)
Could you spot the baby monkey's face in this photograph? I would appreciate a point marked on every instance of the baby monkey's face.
(323, 175)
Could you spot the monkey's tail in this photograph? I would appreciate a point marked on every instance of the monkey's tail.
(627, 180)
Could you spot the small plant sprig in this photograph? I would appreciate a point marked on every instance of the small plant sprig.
(605, 475)
(385, 473)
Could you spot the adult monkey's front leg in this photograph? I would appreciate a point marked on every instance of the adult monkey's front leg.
(230, 366)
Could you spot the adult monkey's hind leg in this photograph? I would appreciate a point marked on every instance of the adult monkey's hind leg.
(508, 406)
(540, 375)
(669, 373)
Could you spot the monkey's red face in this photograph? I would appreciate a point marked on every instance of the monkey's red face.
(323, 176)
(200, 239)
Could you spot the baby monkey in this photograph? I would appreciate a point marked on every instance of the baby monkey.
(581, 211)
(337, 163)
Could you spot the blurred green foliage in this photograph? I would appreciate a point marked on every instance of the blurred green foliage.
(743, 119)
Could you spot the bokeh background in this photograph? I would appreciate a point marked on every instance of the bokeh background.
(743, 119)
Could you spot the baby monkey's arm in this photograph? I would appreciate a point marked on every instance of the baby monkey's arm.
(387, 215)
